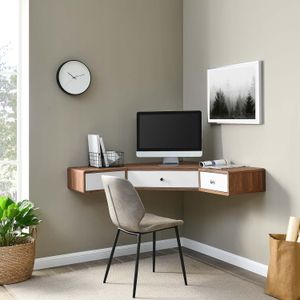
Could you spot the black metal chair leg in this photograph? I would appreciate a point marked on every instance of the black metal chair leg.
(180, 254)
(153, 251)
(136, 263)
(111, 255)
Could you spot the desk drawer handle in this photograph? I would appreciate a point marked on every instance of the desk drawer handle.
(212, 182)
(161, 179)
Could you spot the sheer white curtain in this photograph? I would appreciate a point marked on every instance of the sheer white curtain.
(14, 98)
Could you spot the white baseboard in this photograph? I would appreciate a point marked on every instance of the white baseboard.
(85, 256)
(225, 256)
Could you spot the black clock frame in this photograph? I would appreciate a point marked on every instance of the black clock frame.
(58, 82)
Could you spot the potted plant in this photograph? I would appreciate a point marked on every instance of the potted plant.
(17, 244)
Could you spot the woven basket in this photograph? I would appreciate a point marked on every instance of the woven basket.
(16, 262)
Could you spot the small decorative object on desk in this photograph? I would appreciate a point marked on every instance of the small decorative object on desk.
(219, 164)
(99, 157)
(105, 161)
(114, 158)
(95, 159)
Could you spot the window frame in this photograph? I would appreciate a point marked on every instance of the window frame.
(23, 103)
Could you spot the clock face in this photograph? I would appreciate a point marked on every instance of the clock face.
(73, 77)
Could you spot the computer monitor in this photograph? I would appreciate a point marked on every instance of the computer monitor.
(169, 134)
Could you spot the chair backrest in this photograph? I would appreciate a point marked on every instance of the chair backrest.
(126, 209)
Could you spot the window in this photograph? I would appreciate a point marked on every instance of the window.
(11, 95)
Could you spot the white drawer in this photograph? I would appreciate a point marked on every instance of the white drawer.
(214, 181)
(164, 179)
(93, 181)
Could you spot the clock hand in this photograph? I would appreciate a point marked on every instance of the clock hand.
(74, 77)
(79, 75)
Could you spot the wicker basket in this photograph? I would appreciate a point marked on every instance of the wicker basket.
(16, 262)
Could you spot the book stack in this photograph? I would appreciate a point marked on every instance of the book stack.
(97, 153)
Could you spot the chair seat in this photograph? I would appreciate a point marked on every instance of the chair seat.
(151, 222)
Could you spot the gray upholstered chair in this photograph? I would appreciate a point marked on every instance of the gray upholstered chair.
(128, 214)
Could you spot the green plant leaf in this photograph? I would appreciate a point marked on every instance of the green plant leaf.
(25, 204)
(12, 211)
(5, 202)
(7, 228)
(3, 215)
(14, 217)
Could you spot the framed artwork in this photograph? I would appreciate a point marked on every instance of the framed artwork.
(234, 94)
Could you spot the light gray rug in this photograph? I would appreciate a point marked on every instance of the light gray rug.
(205, 282)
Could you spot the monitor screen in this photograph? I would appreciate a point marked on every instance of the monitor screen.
(169, 131)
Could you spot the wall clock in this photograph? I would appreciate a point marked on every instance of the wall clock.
(73, 77)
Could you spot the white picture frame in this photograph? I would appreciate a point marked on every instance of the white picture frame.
(234, 94)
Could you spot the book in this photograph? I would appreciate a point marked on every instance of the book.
(105, 160)
(94, 151)
(219, 164)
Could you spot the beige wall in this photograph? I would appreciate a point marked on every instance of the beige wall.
(216, 33)
(134, 51)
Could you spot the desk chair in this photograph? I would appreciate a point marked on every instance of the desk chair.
(128, 214)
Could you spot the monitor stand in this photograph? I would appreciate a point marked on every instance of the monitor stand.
(170, 161)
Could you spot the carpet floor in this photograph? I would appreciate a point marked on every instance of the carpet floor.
(204, 282)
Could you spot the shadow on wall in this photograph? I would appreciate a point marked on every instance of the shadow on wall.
(235, 223)
(278, 204)
(212, 142)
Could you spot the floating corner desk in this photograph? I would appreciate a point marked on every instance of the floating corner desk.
(182, 177)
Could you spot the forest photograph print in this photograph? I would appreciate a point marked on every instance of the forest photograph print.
(234, 94)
